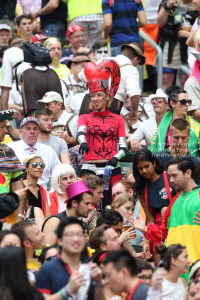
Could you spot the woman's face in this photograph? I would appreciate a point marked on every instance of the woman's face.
(126, 208)
(65, 180)
(146, 169)
(182, 262)
(99, 100)
(11, 240)
(35, 168)
(196, 4)
(178, 107)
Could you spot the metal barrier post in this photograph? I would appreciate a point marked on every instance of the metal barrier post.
(181, 70)
(145, 37)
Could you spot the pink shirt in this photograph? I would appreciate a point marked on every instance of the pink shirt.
(29, 5)
(61, 205)
(168, 139)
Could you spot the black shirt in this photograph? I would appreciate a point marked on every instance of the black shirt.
(7, 9)
(56, 16)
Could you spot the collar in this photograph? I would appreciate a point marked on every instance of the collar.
(125, 60)
(26, 146)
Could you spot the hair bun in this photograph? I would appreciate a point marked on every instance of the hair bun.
(172, 89)
(160, 249)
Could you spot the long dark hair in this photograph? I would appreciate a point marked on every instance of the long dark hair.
(144, 155)
(173, 91)
(13, 274)
(167, 253)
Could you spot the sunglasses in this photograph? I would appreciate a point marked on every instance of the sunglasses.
(159, 100)
(35, 164)
(184, 102)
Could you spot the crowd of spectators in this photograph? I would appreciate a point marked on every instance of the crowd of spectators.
(99, 182)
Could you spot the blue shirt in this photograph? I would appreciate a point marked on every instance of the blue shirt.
(67, 55)
(124, 25)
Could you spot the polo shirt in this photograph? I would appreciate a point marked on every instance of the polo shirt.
(54, 275)
(124, 24)
(67, 54)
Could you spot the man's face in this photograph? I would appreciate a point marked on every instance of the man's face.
(146, 276)
(73, 239)
(35, 237)
(114, 279)
(85, 206)
(112, 240)
(101, 52)
(54, 106)
(192, 292)
(76, 68)
(180, 139)
(5, 35)
(3, 130)
(77, 39)
(97, 195)
(11, 240)
(118, 189)
(29, 133)
(117, 228)
(46, 123)
(26, 26)
(55, 51)
(160, 107)
(178, 180)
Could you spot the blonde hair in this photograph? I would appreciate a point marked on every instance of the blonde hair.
(59, 171)
(108, 103)
(122, 199)
(197, 39)
(29, 158)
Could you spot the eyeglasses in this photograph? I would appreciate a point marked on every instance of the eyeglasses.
(145, 278)
(6, 35)
(51, 258)
(72, 234)
(35, 164)
(159, 100)
(184, 102)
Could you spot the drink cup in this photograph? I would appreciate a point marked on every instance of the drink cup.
(12, 219)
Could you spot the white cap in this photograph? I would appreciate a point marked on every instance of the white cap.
(159, 94)
(5, 27)
(50, 97)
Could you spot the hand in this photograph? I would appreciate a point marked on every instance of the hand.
(22, 193)
(84, 148)
(76, 280)
(36, 27)
(127, 235)
(103, 35)
(171, 3)
(96, 273)
(137, 224)
(33, 14)
(133, 116)
(135, 146)
(197, 220)
(157, 278)
(183, 34)
(146, 249)
(17, 115)
(83, 50)
(139, 255)
(113, 162)
(63, 135)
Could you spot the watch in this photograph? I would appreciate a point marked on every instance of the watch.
(91, 51)
(21, 216)
(37, 14)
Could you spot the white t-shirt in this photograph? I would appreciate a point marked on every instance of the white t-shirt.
(15, 96)
(61, 123)
(11, 57)
(152, 7)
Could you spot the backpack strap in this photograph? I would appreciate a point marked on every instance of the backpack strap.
(67, 125)
(66, 85)
(166, 182)
(143, 113)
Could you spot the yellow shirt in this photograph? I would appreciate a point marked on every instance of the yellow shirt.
(62, 71)
(7, 139)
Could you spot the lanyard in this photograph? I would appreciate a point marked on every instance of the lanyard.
(133, 290)
(71, 85)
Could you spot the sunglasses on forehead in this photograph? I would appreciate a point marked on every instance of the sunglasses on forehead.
(159, 100)
(35, 164)
(184, 102)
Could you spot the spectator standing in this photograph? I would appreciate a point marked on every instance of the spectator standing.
(87, 14)
(68, 272)
(126, 31)
(29, 130)
(28, 5)
(45, 118)
(55, 48)
(53, 16)
(147, 128)
(5, 34)
(25, 27)
(7, 15)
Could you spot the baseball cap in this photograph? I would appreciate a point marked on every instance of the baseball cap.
(137, 49)
(5, 27)
(73, 28)
(78, 57)
(50, 97)
(29, 119)
(38, 37)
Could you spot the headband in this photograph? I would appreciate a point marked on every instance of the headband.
(194, 269)
(30, 157)
(51, 41)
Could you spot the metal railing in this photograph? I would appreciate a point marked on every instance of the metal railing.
(181, 70)
(145, 37)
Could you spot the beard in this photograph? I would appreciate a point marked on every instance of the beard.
(44, 130)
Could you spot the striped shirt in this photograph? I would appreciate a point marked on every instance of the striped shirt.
(124, 25)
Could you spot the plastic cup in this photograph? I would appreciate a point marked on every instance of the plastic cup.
(12, 219)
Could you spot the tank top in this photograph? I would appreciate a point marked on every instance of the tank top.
(172, 291)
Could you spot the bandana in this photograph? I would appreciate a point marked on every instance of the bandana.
(98, 75)
(9, 162)
(51, 41)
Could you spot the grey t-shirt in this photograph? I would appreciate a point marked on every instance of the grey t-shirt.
(58, 144)
(140, 292)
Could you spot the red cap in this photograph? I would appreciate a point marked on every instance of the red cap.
(38, 37)
(74, 28)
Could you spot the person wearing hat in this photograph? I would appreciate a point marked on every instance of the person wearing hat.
(38, 39)
(147, 128)
(72, 85)
(36, 81)
(55, 48)
(78, 205)
(65, 124)
(5, 34)
(29, 131)
(131, 56)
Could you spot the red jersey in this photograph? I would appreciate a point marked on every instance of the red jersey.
(103, 131)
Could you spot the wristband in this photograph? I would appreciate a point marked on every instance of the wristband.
(67, 294)
(37, 14)
(62, 295)
(102, 284)
(21, 216)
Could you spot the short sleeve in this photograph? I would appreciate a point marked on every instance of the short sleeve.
(139, 5)
(16, 176)
(138, 135)
(192, 88)
(7, 75)
(106, 8)
(43, 281)
(132, 83)
(82, 121)
(63, 146)
(121, 127)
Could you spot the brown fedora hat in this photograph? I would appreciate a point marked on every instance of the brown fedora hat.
(77, 58)
(137, 49)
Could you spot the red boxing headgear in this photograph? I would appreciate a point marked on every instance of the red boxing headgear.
(98, 75)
